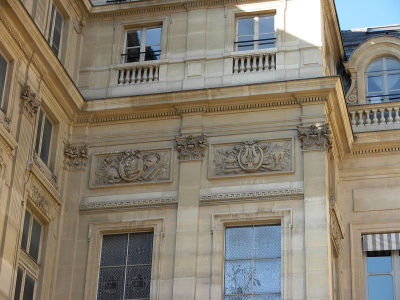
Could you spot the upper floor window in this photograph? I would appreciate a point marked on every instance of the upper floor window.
(55, 30)
(142, 44)
(125, 266)
(252, 262)
(3, 74)
(255, 33)
(43, 137)
(383, 80)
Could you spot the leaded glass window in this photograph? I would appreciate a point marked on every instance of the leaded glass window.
(125, 266)
(252, 263)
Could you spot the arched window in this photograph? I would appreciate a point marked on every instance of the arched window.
(383, 80)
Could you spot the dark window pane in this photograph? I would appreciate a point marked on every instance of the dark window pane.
(29, 288)
(3, 70)
(238, 242)
(267, 276)
(51, 24)
(246, 26)
(59, 21)
(138, 282)
(267, 241)
(39, 131)
(133, 38)
(44, 153)
(152, 53)
(25, 232)
(238, 277)
(113, 250)
(56, 40)
(132, 55)
(153, 36)
(380, 287)
(140, 248)
(35, 240)
(111, 284)
(18, 284)
(266, 24)
(379, 261)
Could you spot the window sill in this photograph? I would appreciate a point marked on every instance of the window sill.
(29, 263)
(139, 64)
(250, 52)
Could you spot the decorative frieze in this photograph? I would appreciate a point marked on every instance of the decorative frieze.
(191, 148)
(42, 202)
(75, 157)
(53, 179)
(315, 137)
(130, 167)
(252, 157)
(29, 102)
(127, 204)
(336, 225)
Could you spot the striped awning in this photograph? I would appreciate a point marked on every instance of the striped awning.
(381, 241)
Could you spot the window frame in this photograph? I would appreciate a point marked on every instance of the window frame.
(39, 134)
(142, 47)
(256, 40)
(6, 74)
(385, 97)
(51, 27)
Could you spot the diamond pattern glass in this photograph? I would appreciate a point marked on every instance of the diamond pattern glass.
(238, 277)
(138, 282)
(267, 276)
(267, 241)
(267, 297)
(111, 284)
(238, 242)
(113, 251)
(140, 248)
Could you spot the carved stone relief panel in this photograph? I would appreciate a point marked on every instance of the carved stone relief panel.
(191, 148)
(315, 137)
(251, 157)
(43, 202)
(75, 157)
(130, 167)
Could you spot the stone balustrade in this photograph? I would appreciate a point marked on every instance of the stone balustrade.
(373, 117)
(254, 62)
(135, 74)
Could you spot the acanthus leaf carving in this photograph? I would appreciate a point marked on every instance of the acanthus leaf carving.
(29, 102)
(315, 137)
(191, 148)
(252, 157)
(131, 166)
(75, 157)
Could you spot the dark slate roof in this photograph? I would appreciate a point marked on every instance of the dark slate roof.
(354, 37)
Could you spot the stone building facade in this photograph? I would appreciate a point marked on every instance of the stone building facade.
(224, 149)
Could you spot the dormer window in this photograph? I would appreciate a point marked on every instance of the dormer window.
(383, 80)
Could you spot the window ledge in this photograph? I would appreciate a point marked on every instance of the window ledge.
(148, 63)
(251, 52)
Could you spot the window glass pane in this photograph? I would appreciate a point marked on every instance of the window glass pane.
(246, 26)
(237, 298)
(132, 55)
(379, 261)
(133, 38)
(35, 240)
(394, 96)
(111, 284)
(266, 24)
(138, 282)
(238, 277)
(153, 36)
(59, 21)
(375, 66)
(152, 53)
(113, 250)
(140, 248)
(25, 232)
(392, 64)
(45, 151)
(267, 297)
(375, 84)
(3, 70)
(267, 276)
(394, 82)
(267, 241)
(29, 288)
(56, 41)
(39, 131)
(245, 43)
(238, 242)
(380, 287)
(18, 284)
(266, 41)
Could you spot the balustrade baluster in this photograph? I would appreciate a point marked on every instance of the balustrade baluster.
(126, 76)
(134, 75)
(396, 117)
(140, 75)
(368, 115)
(382, 119)
(375, 116)
(353, 117)
(156, 70)
(235, 65)
(121, 76)
(360, 118)
(273, 65)
(390, 117)
(241, 68)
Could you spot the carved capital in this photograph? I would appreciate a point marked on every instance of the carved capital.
(315, 137)
(352, 94)
(75, 157)
(29, 102)
(191, 148)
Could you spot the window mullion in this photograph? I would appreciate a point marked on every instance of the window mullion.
(256, 32)
(41, 134)
(143, 44)
(21, 296)
(126, 264)
(28, 242)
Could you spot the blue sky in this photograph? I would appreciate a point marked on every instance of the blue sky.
(367, 13)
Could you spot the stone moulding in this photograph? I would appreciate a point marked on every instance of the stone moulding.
(127, 204)
(44, 200)
(336, 225)
(52, 178)
(130, 167)
(75, 157)
(315, 137)
(252, 195)
(191, 148)
(251, 158)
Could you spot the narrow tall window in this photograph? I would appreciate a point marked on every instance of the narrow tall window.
(253, 262)
(254, 33)
(142, 45)
(43, 137)
(125, 266)
(55, 30)
(3, 73)
(383, 80)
